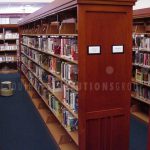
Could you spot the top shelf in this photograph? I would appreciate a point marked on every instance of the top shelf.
(68, 35)
(59, 6)
(8, 26)
(53, 8)
(141, 13)
(141, 33)
(9, 39)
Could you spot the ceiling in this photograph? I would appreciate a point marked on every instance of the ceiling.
(29, 6)
(30, 1)
(142, 4)
(23, 6)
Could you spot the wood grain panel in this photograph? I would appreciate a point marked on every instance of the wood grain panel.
(105, 113)
(105, 78)
(103, 131)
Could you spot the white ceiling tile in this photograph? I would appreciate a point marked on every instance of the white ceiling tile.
(20, 7)
(142, 4)
(27, 1)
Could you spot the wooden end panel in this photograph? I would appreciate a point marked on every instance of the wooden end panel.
(105, 128)
(104, 78)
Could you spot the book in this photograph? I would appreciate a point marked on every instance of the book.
(54, 84)
(55, 106)
(56, 46)
(69, 48)
(70, 97)
(142, 42)
(55, 65)
(141, 91)
(70, 122)
(141, 58)
(142, 75)
(139, 75)
(69, 72)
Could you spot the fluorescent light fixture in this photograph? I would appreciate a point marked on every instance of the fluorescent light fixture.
(142, 4)
(27, 5)
(18, 10)
(26, 1)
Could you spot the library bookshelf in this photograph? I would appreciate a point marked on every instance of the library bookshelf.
(141, 66)
(68, 51)
(9, 42)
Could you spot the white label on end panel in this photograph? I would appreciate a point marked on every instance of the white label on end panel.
(117, 49)
(94, 50)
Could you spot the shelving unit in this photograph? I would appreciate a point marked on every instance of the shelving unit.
(61, 75)
(141, 66)
(140, 100)
(9, 42)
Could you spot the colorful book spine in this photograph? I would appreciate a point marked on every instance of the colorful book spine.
(141, 42)
(69, 48)
(70, 122)
(70, 97)
(54, 84)
(142, 58)
(55, 106)
(141, 91)
(142, 75)
(69, 72)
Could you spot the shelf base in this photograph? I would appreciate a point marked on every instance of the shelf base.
(59, 134)
(8, 71)
(141, 116)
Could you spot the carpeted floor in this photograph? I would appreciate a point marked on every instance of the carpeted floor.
(21, 128)
(138, 135)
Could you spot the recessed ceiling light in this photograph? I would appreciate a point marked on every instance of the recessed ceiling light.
(28, 5)
(26, 1)
(142, 4)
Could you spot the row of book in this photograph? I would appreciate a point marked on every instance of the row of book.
(36, 84)
(142, 75)
(65, 47)
(9, 36)
(141, 58)
(141, 42)
(42, 90)
(66, 118)
(68, 71)
(70, 96)
(141, 91)
(52, 63)
(7, 58)
(7, 46)
(52, 82)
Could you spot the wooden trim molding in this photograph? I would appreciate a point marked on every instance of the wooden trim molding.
(59, 6)
(141, 13)
(108, 2)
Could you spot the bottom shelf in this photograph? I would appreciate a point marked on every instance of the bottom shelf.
(8, 68)
(59, 134)
(141, 116)
(8, 71)
(140, 110)
(68, 146)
